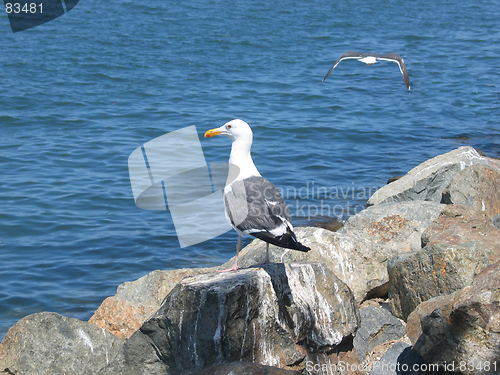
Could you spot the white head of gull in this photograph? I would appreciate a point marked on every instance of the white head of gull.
(253, 205)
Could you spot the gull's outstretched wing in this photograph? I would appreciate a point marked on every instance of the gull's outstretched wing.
(402, 66)
(347, 55)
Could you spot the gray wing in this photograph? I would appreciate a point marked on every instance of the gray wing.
(346, 55)
(255, 206)
(402, 66)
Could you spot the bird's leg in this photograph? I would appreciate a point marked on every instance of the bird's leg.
(267, 257)
(238, 248)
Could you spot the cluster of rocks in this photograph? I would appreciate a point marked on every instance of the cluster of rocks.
(409, 283)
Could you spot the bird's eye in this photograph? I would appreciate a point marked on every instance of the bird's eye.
(229, 126)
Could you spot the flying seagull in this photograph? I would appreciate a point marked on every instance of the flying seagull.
(254, 205)
(372, 58)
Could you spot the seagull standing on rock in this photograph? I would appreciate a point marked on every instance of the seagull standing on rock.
(372, 58)
(254, 205)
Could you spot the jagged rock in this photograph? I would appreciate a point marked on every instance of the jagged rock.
(395, 226)
(458, 225)
(358, 252)
(378, 326)
(234, 368)
(281, 315)
(357, 261)
(466, 327)
(354, 260)
(134, 302)
(478, 187)
(430, 272)
(428, 180)
(388, 364)
(48, 343)
(413, 326)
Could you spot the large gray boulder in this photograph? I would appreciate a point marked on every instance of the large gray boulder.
(358, 259)
(351, 258)
(357, 253)
(48, 343)
(280, 315)
(465, 327)
(458, 225)
(430, 272)
(395, 226)
(377, 327)
(428, 180)
(413, 324)
(354, 260)
(478, 187)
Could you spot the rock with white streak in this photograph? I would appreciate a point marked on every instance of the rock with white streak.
(358, 253)
(281, 315)
(354, 260)
(428, 180)
(48, 343)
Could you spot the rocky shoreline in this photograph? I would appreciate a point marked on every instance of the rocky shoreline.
(410, 285)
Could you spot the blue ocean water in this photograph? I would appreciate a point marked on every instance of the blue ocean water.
(82, 92)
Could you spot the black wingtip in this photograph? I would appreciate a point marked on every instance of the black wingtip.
(291, 242)
(302, 248)
(296, 245)
(287, 240)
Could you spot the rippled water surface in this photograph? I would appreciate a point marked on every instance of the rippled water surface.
(82, 92)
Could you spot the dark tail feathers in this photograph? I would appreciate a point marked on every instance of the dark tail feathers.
(287, 240)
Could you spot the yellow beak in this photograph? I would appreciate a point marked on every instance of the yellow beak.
(213, 132)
